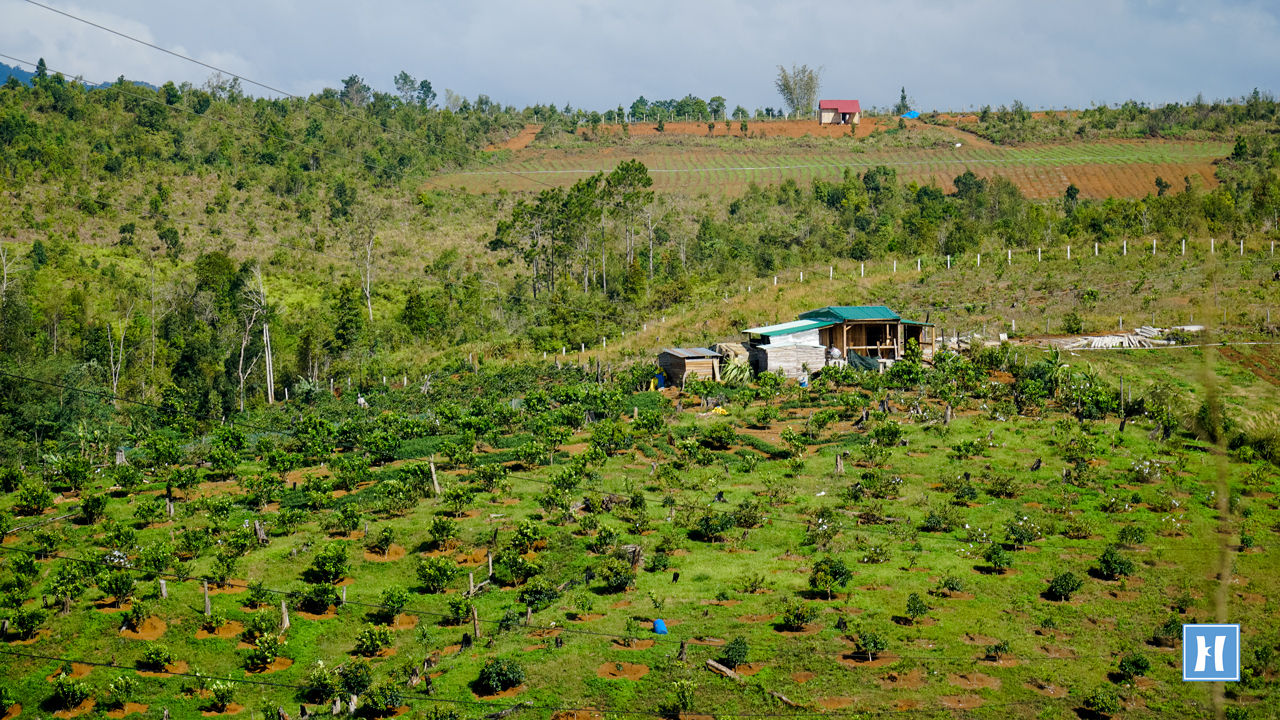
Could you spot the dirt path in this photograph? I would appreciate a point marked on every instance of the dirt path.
(521, 140)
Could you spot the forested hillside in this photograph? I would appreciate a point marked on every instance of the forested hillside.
(155, 242)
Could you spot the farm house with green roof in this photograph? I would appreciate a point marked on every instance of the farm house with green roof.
(872, 336)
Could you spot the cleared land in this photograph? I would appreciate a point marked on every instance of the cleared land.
(696, 164)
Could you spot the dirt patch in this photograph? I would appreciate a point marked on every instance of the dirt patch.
(971, 639)
(108, 606)
(974, 681)
(589, 617)
(231, 588)
(637, 645)
(713, 642)
(226, 632)
(78, 670)
(519, 142)
(913, 680)
(128, 709)
(803, 677)
(620, 604)
(835, 703)
(504, 694)
(583, 714)
(395, 552)
(404, 622)
(232, 709)
(14, 710)
(276, 666)
(544, 633)
(857, 660)
(756, 618)
(152, 628)
(1047, 689)
(177, 668)
(621, 671)
(960, 702)
(811, 629)
(329, 614)
(749, 668)
(1054, 651)
(721, 603)
(531, 648)
(1005, 661)
(83, 708)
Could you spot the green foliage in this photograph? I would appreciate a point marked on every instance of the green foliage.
(27, 620)
(735, 652)
(355, 677)
(154, 657)
(871, 644)
(828, 574)
(1064, 585)
(442, 531)
(123, 689)
(1102, 700)
(797, 613)
(393, 600)
(435, 573)
(916, 607)
(499, 674)
(68, 693)
(372, 639)
(616, 574)
(1134, 665)
(1112, 564)
(268, 648)
(221, 695)
(539, 593)
(331, 562)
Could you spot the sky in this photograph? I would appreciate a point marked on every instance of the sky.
(596, 54)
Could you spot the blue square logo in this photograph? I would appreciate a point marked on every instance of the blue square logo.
(1211, 653)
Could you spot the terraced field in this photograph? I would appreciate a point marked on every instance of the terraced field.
(1100, 170)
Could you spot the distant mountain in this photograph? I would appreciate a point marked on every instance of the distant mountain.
(7, 72)
(24, 76)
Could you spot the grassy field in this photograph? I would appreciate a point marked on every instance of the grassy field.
(726, 165)
(947, 662)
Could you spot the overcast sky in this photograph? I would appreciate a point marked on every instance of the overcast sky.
(599, 54)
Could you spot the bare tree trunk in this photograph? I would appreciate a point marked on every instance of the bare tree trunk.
(270, 364)
(116, 357)
(649, 217)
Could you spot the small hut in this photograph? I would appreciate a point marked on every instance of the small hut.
(788, 347)
(839, 112)
(678, 362)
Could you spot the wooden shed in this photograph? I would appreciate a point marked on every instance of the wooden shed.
(869, 330)
(678, 362)
(793, 359)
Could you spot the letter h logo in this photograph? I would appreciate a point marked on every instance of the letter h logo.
(1211, 653)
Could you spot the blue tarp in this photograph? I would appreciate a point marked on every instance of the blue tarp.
(910, 114)
(659, 627)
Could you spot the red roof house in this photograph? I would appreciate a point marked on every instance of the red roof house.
(839, 112)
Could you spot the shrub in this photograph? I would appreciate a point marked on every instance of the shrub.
(1134, 665)
(1112, 564)
(137, 615)
(435, 573)
(316, 597)
(371, 640)
(916, 607)
(123, 689)
(719, 436)
(951, 583)
(500, 674)
(1079, 527)
(68, 693)
(383, 698)
(1064, 585)
(796, 614)
(735, 653)
(321, 683)
(259, 625)
(1022, 532)
(1132, 535)
(538, 593)
(393, 601)
(222, 695)
(616, 574)
(459, 609)
(93, 508)
(27, 620)
(871, 644)
(941, 520)
(527, 536)
(155, 657)
(355, 677)
(264, 653)
(442, 530)
(999, 558)
(381, 543)
(1102, 700)
(685, 689)
(829, 573)
(215, 620)
(1002, 486)
(998, 650)
(1170, 628)
(330, 562)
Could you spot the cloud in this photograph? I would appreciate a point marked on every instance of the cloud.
(593, 53)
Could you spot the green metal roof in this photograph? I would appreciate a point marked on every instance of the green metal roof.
(916, 322)
(787, 328)
(840, 313)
